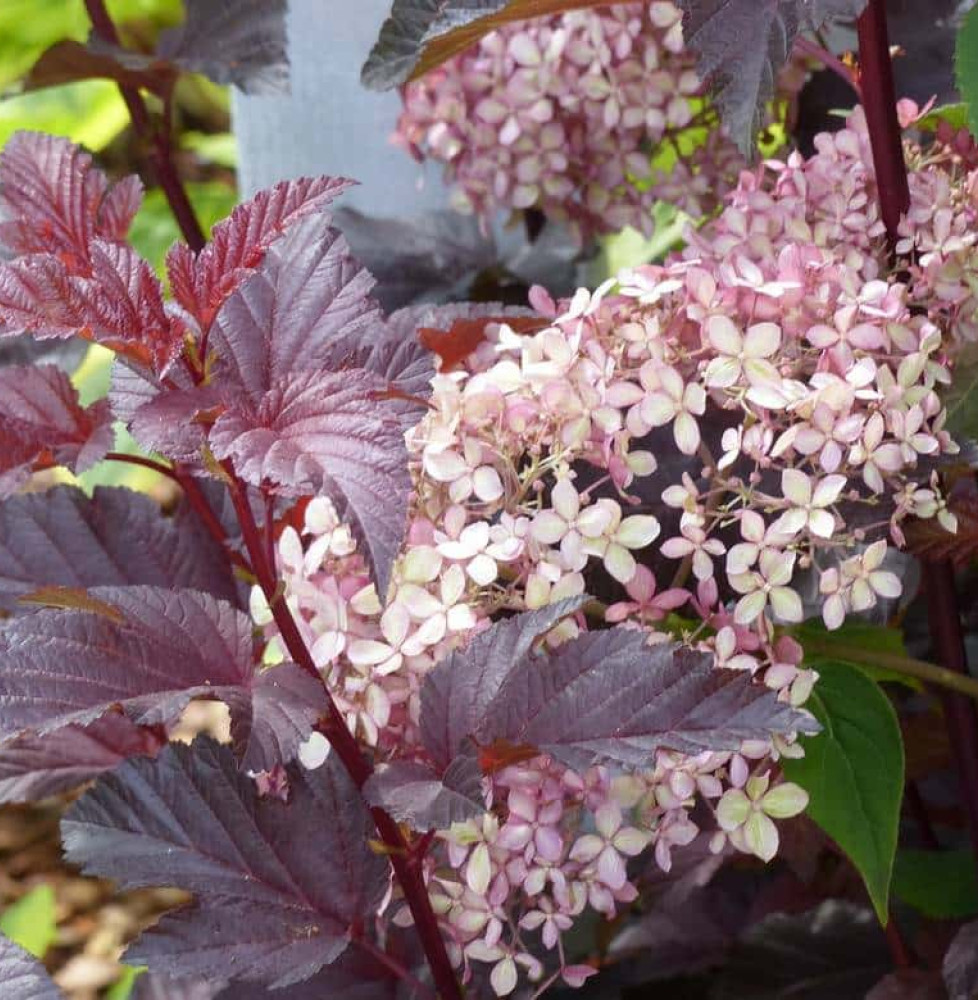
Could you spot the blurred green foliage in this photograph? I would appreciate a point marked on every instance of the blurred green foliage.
(32, 921)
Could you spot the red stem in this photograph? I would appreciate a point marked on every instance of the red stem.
(406, 862)
(158, 138)
(879, 102)
(959, 711)
(146, 463)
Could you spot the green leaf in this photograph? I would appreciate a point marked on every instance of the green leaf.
(91, 113)
(853, 772)
(854, 644)
(956, 115)
(122, 988)
(940, 884)
(32, 921)
(966, 66)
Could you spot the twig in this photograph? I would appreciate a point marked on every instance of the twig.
(158, 138)
(930, 673)
(146, 463)
(830, 61)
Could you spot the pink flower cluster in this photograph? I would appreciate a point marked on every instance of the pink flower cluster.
(588, 116)
(715, 438)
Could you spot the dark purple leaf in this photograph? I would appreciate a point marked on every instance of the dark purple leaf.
(151, 986)
(457, 693)
(57, 202)
(608, 697)
(909, 984)
(270, 721)
(243, 42)
(742, 44)
(164, 419)
(24, 349)
(23, 976)
(149, 651)
(69, 61)
(961, 964)
(63, 538)
(411, 25)
(201, 282)
(329, 433)
(277, 886)
(836, 951)
(434, 257)
(34, 767)
(413, 793)
(43, 424)
(355, 976)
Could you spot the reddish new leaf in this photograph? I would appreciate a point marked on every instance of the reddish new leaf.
(465, 333)
(70, 667)
(56, 201)
(201, 282)
(307, 308)
(34, 767)
(74, 275)
(63, 538)
(459, 690)
(42, 424)
(331, 433)
(278, 886)
(608, 697)
(23, 976)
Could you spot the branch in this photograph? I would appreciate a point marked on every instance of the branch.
(407, 866)
(145, 463)
(930, 673)
(158, 138)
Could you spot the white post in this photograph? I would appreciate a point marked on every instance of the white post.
(330, 124)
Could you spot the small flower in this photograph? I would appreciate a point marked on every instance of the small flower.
(608, 848)
(671, 399)
(741, 355)
(694, 542)
(768, 585)
(567, 524)
(809, 500)
(746, 815)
